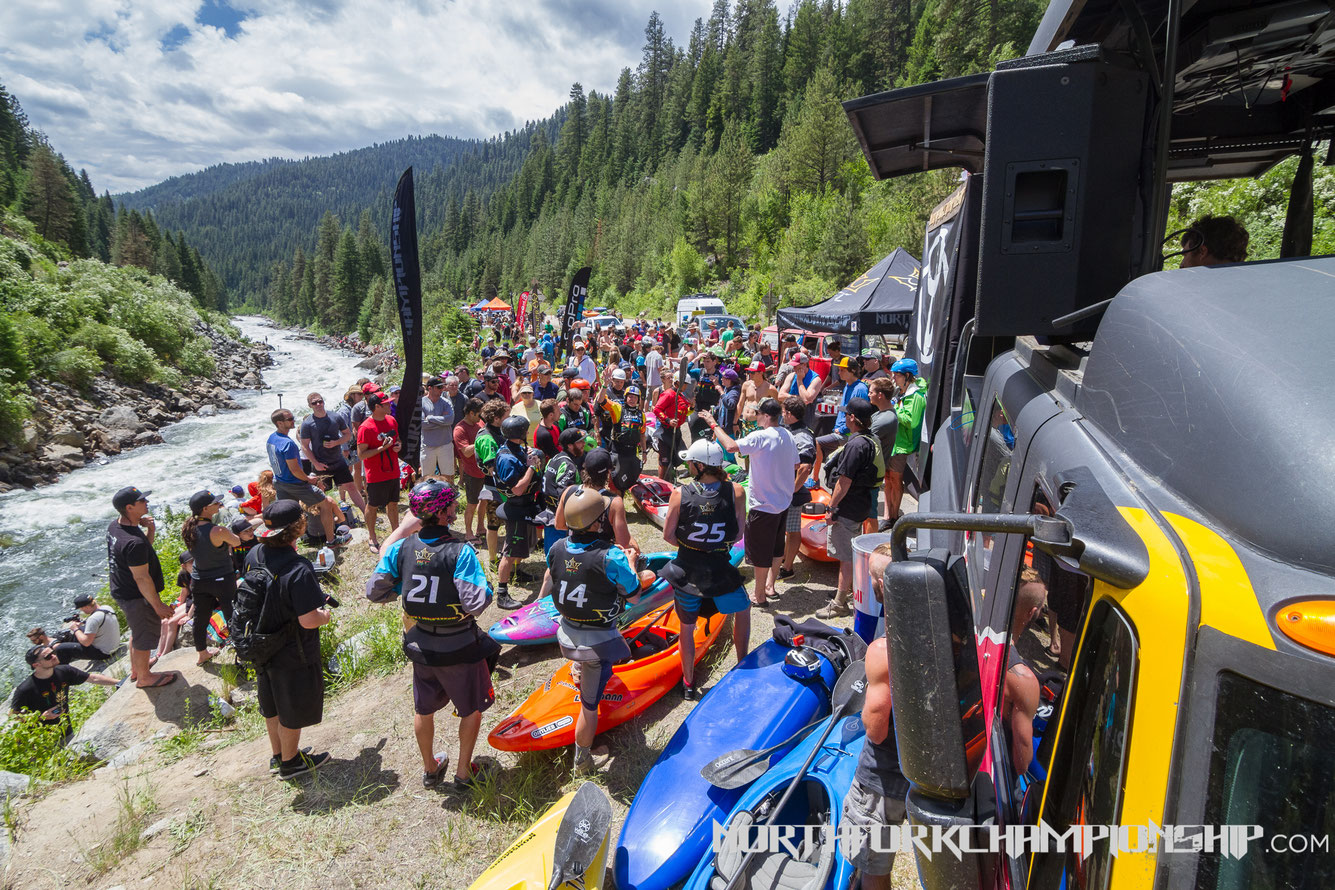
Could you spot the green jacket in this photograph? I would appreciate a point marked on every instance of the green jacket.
(910, 410)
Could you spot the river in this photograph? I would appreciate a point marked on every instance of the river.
(52, 539)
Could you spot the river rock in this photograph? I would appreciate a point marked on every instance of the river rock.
(13, 784)
(147, 437)
(133, 715)
(207, 411)
(119, 419)
(28, 437)
(68, 435)
(66, 455)
(369, 364)
(251, 380)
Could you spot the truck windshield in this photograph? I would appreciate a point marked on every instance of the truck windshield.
(1271, 766)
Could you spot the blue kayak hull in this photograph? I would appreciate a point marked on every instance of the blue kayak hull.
(668, 828)
(832, 769)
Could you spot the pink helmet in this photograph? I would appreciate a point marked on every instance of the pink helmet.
(431, 497)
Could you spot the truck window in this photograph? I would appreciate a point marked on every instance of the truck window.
(1085, 783)
(1270, 766)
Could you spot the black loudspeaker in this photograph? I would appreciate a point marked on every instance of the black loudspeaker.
(1061, 192)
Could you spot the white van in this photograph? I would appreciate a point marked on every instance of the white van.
(697, 305)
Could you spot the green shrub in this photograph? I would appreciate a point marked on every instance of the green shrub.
(134, 362)
(158, 324)
(31, 747)
(13, 350)
(100, 338)
(196, 359)
(40, 340)
(15, 406)
(76, 366)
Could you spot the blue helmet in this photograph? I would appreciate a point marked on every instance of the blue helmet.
(905, 366)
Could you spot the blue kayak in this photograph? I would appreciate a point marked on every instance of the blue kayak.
(755, 705)
(818, 802)
(536, 624)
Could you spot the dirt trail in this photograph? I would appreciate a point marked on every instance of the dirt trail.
(365, 819)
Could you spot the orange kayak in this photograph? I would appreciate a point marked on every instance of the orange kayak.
(546, 719)
(814, 521)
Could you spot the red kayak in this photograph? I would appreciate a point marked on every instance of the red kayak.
(814, 522)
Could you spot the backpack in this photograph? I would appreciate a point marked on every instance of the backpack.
(254, 610)
(509, 469)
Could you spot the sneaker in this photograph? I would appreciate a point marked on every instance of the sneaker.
(785, 574)
(478, 775)
(520, 575)
(507, 602)
(886, 525)
(835, 609)
(276, 761)
(589, 761)
(433, 780)
(690, 693)
(342, 540)
(302, 764)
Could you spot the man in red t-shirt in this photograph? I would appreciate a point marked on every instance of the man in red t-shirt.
(672, 409)
(465, 432)
(378, 446)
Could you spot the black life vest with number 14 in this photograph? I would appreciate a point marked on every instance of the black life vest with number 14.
(581, 590)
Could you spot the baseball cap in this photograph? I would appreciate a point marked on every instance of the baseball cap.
(618, 374)
(239, 525)
(570, 436)
(489, 375)
(238, 491)
(527, 387)
(278, 516)
(127, 496)
(757, 366)
(369, 388)
(729, 374)
(376, 399)
(599, 460)
(435, 381)
(870, 353)
(83, 599)
(862, 410)
(393, 389)
(799, 359)
(905, 366)
(578, 384)
(771, 407)
(844, 362)
(202, 499)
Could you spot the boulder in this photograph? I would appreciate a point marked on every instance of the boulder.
(65, 455)
(207, 411)
(132, 716)
(369, 364)
(148, 437)
(13, 784)
(28, 438)
(67, 435)
(251, 380)
(119, 420)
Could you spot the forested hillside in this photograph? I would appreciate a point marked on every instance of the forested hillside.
(249, 215)
(86, 289)
(726, 164)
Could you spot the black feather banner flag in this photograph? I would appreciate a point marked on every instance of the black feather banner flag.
(408, 287)
(573, 312)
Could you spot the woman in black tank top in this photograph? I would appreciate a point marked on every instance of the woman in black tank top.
(213, 578)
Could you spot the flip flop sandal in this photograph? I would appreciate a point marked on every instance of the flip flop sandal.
(164, 680)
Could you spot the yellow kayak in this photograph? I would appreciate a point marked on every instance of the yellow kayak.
(566, 849)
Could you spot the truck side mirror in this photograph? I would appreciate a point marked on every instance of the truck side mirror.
(934, 676)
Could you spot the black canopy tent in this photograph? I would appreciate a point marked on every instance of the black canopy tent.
(879, 301)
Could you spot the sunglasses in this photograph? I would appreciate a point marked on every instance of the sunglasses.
(49, 656)
(1192, 241)
(315, 402)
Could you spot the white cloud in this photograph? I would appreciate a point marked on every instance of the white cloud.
(302, 78)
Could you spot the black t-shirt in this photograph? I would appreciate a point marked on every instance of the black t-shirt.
(184, 580)
(858, 462)
(299, 592)
(324, 429)
(127, 546)
(43, 695)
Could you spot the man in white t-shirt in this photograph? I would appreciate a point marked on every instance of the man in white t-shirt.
(773, 454)
(98, 635)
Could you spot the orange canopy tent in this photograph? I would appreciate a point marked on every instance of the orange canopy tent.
(496, 304)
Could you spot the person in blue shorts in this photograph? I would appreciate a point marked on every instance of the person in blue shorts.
(705, 517)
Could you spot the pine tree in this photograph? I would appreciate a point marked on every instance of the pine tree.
(819, 141)
(48, 199)
(349, 284)
(322, 271)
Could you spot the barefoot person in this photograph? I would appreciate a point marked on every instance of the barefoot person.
(704, 518)
(589, 582)
(136, 582)
(452, 658)
(212, 572)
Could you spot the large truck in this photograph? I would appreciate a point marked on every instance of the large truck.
(1147, 452)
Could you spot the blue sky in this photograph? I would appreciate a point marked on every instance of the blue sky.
(137, 91)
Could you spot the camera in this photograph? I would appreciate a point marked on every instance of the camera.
(386, 437)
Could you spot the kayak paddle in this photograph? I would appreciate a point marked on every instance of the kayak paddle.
(742, 766)
(582, 832)
(849, 692)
